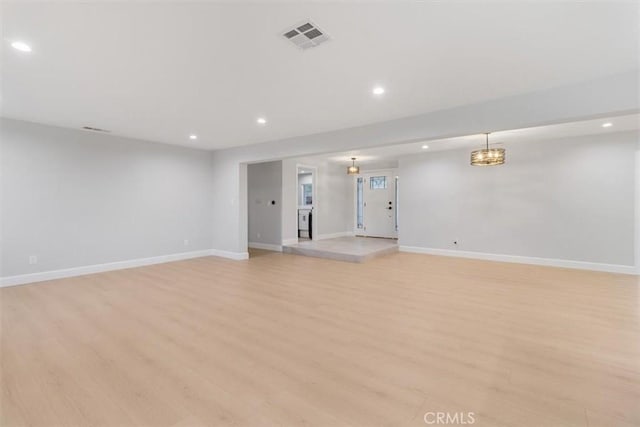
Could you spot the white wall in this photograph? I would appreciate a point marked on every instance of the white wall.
(230, 216)
(606, 96)
(264, 185)
(163, 183)
(569, 199)
(289, 201)
(74, 198)
(335, 200)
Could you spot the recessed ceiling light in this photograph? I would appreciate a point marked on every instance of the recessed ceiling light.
(607, 125)
(193, 136)
(424, 147)
(261, 121)
(378, 90)
(21, 46)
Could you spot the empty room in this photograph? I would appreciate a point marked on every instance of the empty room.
(354, 213)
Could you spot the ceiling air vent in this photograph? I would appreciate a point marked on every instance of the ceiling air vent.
(92, 129)
(305, 35)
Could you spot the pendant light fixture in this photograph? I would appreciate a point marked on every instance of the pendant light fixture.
(487, 156)
(353, 169)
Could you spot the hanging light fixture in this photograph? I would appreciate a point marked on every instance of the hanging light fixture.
(353, 169)
(487, 156)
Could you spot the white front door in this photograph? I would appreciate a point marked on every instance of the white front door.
(376, 204)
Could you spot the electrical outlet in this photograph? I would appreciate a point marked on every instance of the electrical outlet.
(33, 259)
(258, 235)
(186, 242)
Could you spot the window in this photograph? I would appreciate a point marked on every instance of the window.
(359, 202)
(378, 182)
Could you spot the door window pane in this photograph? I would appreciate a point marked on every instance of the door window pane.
(378, 182)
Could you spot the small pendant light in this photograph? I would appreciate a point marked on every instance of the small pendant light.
(353, 169)
(488, 156)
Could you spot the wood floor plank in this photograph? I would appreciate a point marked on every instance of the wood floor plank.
(285, 340)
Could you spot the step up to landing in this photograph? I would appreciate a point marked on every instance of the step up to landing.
(350, 249)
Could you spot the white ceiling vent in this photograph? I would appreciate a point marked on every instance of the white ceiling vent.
(305, 35)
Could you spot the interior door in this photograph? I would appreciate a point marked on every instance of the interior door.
(379, 198)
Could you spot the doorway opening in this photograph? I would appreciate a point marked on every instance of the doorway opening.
(338, 238)
(306, 197)
(264, 207)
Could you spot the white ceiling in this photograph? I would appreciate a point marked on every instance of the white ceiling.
(379, 155)
(161, 71)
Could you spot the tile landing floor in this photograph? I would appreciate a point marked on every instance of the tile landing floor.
(350, 249)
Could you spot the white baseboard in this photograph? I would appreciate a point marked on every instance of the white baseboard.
(237, 256)
(550, 262)
(333, 235)
(265, 246)
(118, 265)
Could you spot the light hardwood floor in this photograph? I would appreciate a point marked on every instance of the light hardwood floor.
(289, 340)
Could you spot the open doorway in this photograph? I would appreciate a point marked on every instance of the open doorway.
(333, 237)
(264, 207)
(306, 196)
